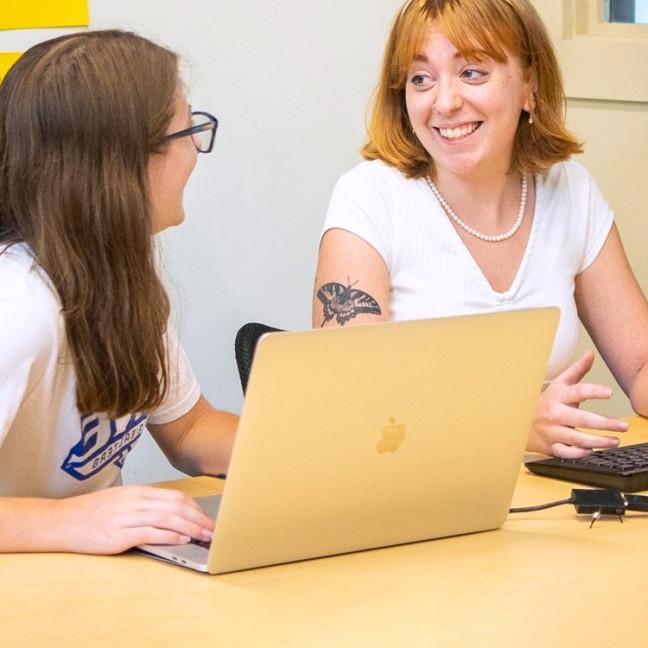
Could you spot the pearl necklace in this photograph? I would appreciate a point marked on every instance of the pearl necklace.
(471, 230)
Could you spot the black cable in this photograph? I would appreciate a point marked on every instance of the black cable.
(539, 507)
(597, 501)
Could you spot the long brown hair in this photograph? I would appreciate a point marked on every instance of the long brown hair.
(498, 28)
(80, 116)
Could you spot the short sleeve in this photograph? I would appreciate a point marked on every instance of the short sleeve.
(184, 390)
(360, 206)
(29, 336)
(599, 222)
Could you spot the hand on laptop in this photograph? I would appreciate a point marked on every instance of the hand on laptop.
(114, 520)
(558, 414)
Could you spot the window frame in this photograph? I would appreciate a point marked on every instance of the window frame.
(590, 50)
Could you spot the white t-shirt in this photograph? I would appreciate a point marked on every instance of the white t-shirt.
(47, 447)
(434, 275)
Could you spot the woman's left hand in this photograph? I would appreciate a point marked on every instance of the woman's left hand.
(558, 415)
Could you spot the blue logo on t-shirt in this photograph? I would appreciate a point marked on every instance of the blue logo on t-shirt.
(103, 442)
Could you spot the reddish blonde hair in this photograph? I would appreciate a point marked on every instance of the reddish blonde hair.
(500, 28)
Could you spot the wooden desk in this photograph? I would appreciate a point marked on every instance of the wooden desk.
(544, 579)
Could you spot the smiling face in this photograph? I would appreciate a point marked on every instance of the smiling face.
(169, 171)
(464, 112)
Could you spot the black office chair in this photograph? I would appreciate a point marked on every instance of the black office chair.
(245, 345)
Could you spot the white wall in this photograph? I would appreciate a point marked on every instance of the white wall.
(289, 81)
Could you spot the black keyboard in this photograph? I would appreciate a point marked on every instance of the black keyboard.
(624, 468)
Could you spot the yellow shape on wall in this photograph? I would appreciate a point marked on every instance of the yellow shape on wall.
(7, 59)
(32, 14)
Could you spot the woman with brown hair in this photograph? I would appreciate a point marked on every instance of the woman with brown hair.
(468, 203)
(96, 145)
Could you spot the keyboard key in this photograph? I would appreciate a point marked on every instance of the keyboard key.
(625, 468)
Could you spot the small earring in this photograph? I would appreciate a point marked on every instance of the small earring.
(530, 118)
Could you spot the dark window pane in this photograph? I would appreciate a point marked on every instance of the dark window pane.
(621, 11)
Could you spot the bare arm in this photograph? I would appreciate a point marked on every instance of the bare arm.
(115, 519)
(614, 310)
(105, 522)
(352, 283)
(199, 442)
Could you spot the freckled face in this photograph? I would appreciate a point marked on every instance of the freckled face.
(465, 113)
(169, 171)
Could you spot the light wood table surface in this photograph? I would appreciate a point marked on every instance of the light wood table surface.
(544, 579)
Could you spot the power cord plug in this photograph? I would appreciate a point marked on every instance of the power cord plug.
(603, 501)
(596, 502)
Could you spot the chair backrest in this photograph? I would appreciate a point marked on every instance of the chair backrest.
(244, 346)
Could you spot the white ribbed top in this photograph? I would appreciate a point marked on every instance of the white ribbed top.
(434, 275)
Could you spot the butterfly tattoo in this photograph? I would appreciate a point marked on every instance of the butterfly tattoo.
(345, 302)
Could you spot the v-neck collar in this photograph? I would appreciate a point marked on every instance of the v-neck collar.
(457, 242)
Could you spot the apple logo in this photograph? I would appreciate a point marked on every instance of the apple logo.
(392, 437)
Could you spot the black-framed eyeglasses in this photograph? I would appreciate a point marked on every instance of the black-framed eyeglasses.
(202, 131)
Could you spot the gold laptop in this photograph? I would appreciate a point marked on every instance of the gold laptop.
(369, 436)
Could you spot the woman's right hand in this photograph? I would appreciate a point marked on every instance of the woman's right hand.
(115, 519)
